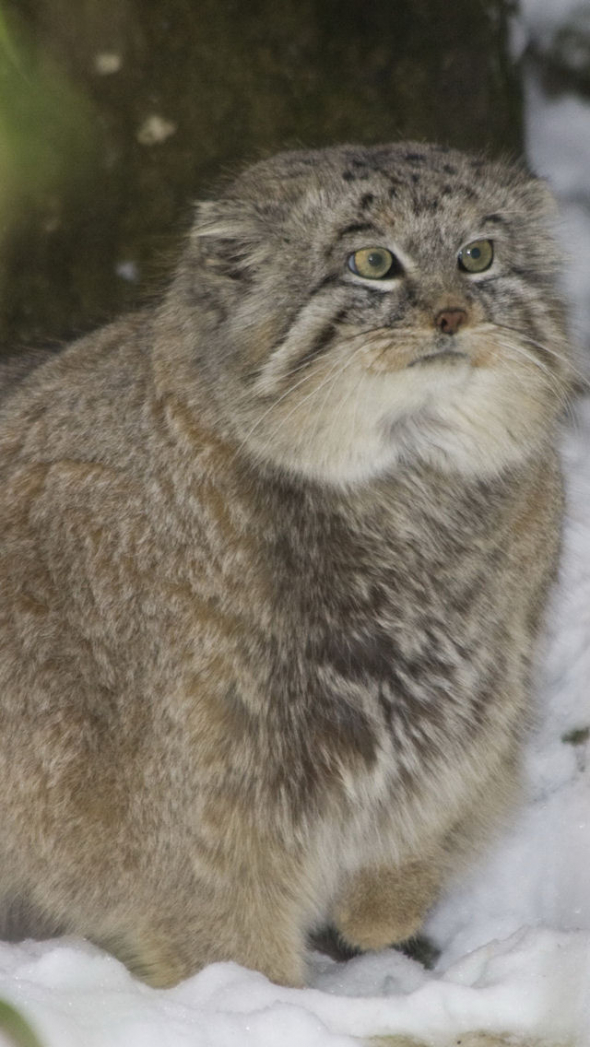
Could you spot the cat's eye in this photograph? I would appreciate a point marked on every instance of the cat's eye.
(372, 263)
(477, 256)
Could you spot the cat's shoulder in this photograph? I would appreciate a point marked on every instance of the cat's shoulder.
(84, 403)
(91, 362)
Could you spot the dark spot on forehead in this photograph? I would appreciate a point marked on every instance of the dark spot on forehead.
(449, 169)
(355, 176)
(415, 158)
(381, 156)
(367, 200)
(415, 178)
(447, 190)
(392, 192)
(496, 218)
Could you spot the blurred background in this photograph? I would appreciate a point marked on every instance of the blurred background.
(116, 114)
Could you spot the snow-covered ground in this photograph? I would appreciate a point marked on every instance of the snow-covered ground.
(558, 133)
(514, 938)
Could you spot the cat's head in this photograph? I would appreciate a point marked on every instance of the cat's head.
(372, 305)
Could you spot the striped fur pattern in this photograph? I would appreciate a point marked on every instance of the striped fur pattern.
(274, 554)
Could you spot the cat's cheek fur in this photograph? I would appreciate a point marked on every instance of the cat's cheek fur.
(478, 429)
(475, 422)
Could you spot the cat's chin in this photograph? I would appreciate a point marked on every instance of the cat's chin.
(468, 422)
(469, 448)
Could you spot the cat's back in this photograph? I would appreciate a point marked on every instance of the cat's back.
(78, 516)
(110, 509)
(84, 403)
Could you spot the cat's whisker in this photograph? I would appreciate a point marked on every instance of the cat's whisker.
(287, 374)
(519, 351)
(584, 379)
(275, 403)
(358, 389)
(333, 372)
(335, 415)
(526, 354)
(561, 391)
(567, 393)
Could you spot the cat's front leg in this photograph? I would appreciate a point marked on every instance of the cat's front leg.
(384, 904)
(168, 950)
(252, 914)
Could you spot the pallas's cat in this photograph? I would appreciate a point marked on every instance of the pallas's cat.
(274, 555)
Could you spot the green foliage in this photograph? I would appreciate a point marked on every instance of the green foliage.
(45, 124)
(13, 1025)
(577, 736)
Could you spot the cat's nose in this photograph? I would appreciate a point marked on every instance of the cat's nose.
(449, 321)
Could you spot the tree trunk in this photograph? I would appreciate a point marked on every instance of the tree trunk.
(118, 113)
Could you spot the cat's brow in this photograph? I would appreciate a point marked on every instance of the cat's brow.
(357, 227)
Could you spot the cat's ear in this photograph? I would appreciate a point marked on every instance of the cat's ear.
(229, 238)
(538, 198)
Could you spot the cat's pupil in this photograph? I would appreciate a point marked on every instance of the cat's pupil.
(475, 252)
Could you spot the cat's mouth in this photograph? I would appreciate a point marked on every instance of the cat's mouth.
(439, 354)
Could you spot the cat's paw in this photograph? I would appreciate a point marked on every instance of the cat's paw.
(385, 905)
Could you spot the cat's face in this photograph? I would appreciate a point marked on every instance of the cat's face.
(371, 305)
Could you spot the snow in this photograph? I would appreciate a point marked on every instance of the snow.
(557, 137)
(536, 983)
(515, 935)
(558, 145)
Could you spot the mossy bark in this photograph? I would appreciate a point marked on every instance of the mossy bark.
(132, 108)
